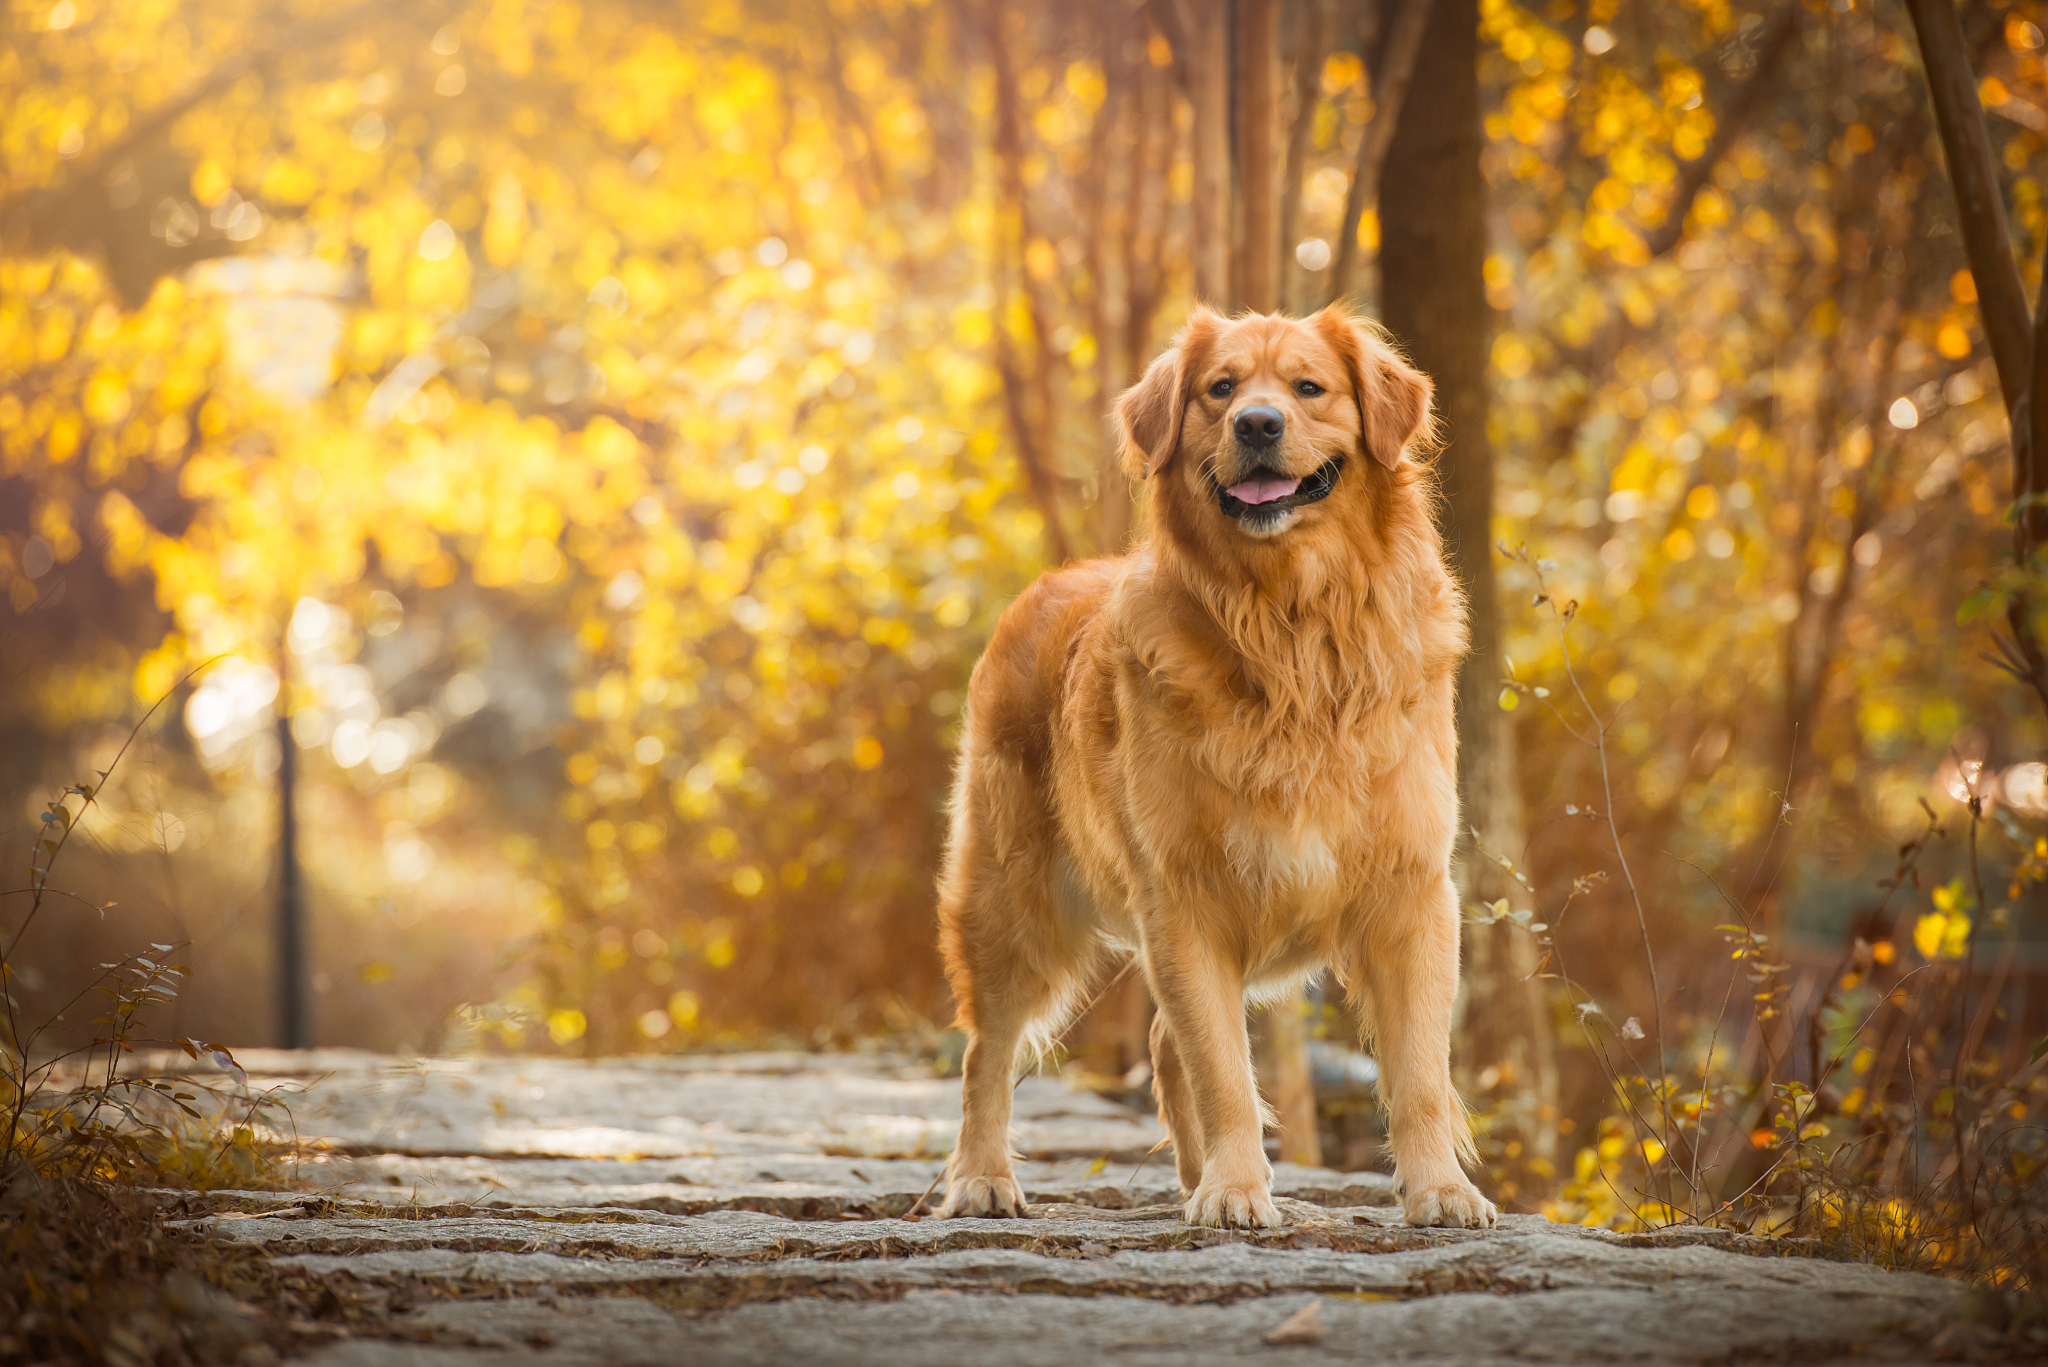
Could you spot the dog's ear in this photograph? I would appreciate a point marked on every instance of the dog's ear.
(1392, 396)
(1149, 413)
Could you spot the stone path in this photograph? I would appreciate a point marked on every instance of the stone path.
(749, 1209)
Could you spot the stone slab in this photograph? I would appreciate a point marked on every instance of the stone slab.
(786, 1183)
(943, 1328)
(763, 1105)
(747, 1235)
(741, 1209)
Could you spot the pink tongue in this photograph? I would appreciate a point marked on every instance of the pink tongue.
(1263, 490)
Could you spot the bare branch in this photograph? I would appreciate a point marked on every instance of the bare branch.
(1980, 205)
(1731, 123)
(1389, 93)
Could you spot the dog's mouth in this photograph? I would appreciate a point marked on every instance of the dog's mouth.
(1265, 494)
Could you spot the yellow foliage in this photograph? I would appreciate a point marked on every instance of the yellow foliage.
(1940, 934)
(565, 1026)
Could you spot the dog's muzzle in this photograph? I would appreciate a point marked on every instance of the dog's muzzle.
(1265, 494)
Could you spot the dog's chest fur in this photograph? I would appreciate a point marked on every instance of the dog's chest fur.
(1292, 735)
(1279, 857)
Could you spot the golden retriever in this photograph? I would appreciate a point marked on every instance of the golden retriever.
(1231, 753)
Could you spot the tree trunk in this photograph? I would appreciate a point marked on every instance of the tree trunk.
(1205, 26)
(1033, 431)
(1106, 304)
(1281, 1044)
(1144, 273)
(1980, 204)
(1258, 118)
(1390, 79)
(2001, 303)
(1311, 45)
(292, 998)
(1432, 257)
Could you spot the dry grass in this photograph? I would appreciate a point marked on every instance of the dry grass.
(89, 1273)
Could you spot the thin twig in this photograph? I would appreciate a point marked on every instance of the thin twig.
(1564, 619)
(1146, 1159)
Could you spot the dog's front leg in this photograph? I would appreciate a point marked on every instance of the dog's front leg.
(1202, 998)
(1411, 968)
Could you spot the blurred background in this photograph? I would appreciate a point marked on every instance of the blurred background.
(578, 450)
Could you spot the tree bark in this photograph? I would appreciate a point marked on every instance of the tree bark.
(1311, 45)
(1258, 118)
(1390, 93)
(1432, 255)
(1285, 1076)
(1980, 204)
(1105, 305)
(2001, 303)
(2030, 472)
(1032, 431)
(1203, 24)
(1145, 273)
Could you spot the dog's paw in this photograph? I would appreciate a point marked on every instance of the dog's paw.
(1233, 1205)
(1457, 1204)
(998, 1196)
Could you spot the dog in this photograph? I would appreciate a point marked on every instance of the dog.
(1231, 753)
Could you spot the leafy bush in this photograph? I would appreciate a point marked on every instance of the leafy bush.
(1880, 1119)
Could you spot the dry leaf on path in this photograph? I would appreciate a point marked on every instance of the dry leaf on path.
(1303, 1326)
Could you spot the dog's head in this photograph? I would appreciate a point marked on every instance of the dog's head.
(1264, 429)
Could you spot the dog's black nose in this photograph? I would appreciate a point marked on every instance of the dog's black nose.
(1259, 425)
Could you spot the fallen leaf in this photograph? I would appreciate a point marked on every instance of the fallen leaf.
(1303, 1326)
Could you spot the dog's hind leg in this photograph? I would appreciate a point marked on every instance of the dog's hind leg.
(1012, 971)
(1176, 1106)
(1018, 1007)
(1020, 992)
(979, 1178)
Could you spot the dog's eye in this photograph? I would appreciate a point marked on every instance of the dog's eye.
(1221, 389)
(1308, 389)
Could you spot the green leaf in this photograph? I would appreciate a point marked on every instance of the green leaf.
(1979, 601)
(2039, 1049)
